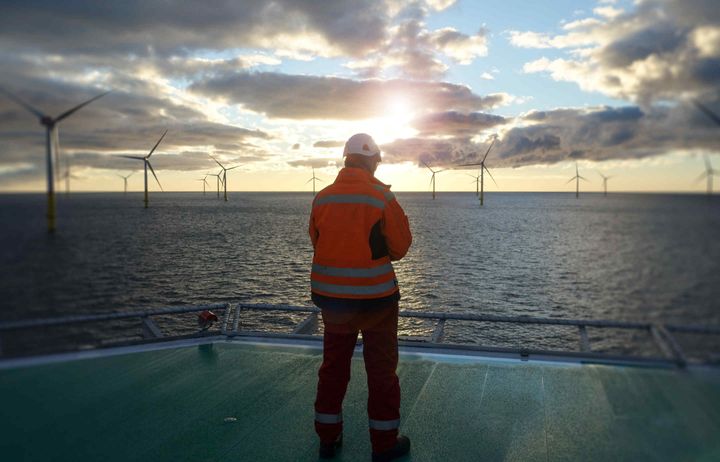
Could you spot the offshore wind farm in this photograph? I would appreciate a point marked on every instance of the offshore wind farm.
(569, 294)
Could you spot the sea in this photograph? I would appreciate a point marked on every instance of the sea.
(628, 257)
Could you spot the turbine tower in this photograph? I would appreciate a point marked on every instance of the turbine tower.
(605, 180)
(224, 174)
(313, 180)
(205, 183)
(577, 179)
(52, 145)
(125, 178)
(483, 169)
(146, 162)
(432, 179)
(709, 173)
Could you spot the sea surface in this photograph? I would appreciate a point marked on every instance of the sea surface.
(638, 257)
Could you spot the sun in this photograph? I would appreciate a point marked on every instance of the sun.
(395, 122)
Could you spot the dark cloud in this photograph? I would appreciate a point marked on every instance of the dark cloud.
(296, 146)
(151, 27)
(456, 123)
(548, 137)
(328, 144)
(313, 97)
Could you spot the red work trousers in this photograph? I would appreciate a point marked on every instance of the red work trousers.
(380, 351)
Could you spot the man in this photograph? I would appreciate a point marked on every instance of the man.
(357, 228)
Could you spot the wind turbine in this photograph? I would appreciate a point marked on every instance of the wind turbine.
(125, 178)
(483, 169)
(577, 179)
(52, 144)
(605, 180)
(205, 183)
(218, 177)
(432, 179)
(224, 174)
(313, 180)
(709, 173)
(67, 175)
(146, 162)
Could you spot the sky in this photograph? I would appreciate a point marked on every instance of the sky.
(276, 87)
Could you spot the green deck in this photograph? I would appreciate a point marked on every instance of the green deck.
(172, 405)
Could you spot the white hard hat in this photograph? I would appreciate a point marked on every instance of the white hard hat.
(362, 144)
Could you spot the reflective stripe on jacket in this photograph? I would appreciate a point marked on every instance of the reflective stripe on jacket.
(357, 228)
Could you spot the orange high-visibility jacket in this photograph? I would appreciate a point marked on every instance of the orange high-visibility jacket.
(357, 228)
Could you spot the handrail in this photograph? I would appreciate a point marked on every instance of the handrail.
(83, 318)
(231, 322)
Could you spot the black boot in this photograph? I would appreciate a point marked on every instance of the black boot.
(327, 451)
(402, 447)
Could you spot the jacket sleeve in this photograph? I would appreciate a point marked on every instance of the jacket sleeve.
(396, 229)
(312, 230)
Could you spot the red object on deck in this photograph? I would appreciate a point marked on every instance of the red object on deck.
(206, 318)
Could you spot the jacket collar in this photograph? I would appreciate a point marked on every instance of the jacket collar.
(357, 175)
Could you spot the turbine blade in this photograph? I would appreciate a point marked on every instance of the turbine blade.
(425, 164)
(156, 144)
(583, 178)
(216, 161)
(22, 103)
(714, 117)
(70, 112)
(130, 157)
(233, 167)
(701, 177)
(308, 181)
(571, 179)
(467, 165)
(488, 150)
(153, 172)
(708, 166)
(491, 177)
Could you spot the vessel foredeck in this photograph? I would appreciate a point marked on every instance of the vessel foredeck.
(239, 400)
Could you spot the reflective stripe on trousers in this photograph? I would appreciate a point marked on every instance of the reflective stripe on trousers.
(385, 424)
(328, 418)
(337, 289)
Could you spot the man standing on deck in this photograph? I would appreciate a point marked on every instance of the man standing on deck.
(357, 228)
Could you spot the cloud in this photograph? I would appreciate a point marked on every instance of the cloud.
(663, 50)
(314, 163)
(312, 97)
(548, 137)
(414, 51)
(456, 123)
(296, 146)
(328, 144)
(158, 27)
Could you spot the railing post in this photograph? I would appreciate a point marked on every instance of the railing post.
(150, 329)
(226, 319)
(439, 332)
(308, 325)
(584, 339)
(236, 319)
(665, 339)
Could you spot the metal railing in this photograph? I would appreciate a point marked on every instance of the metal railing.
(230, 326)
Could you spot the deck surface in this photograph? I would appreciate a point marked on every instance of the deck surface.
(234, 402)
